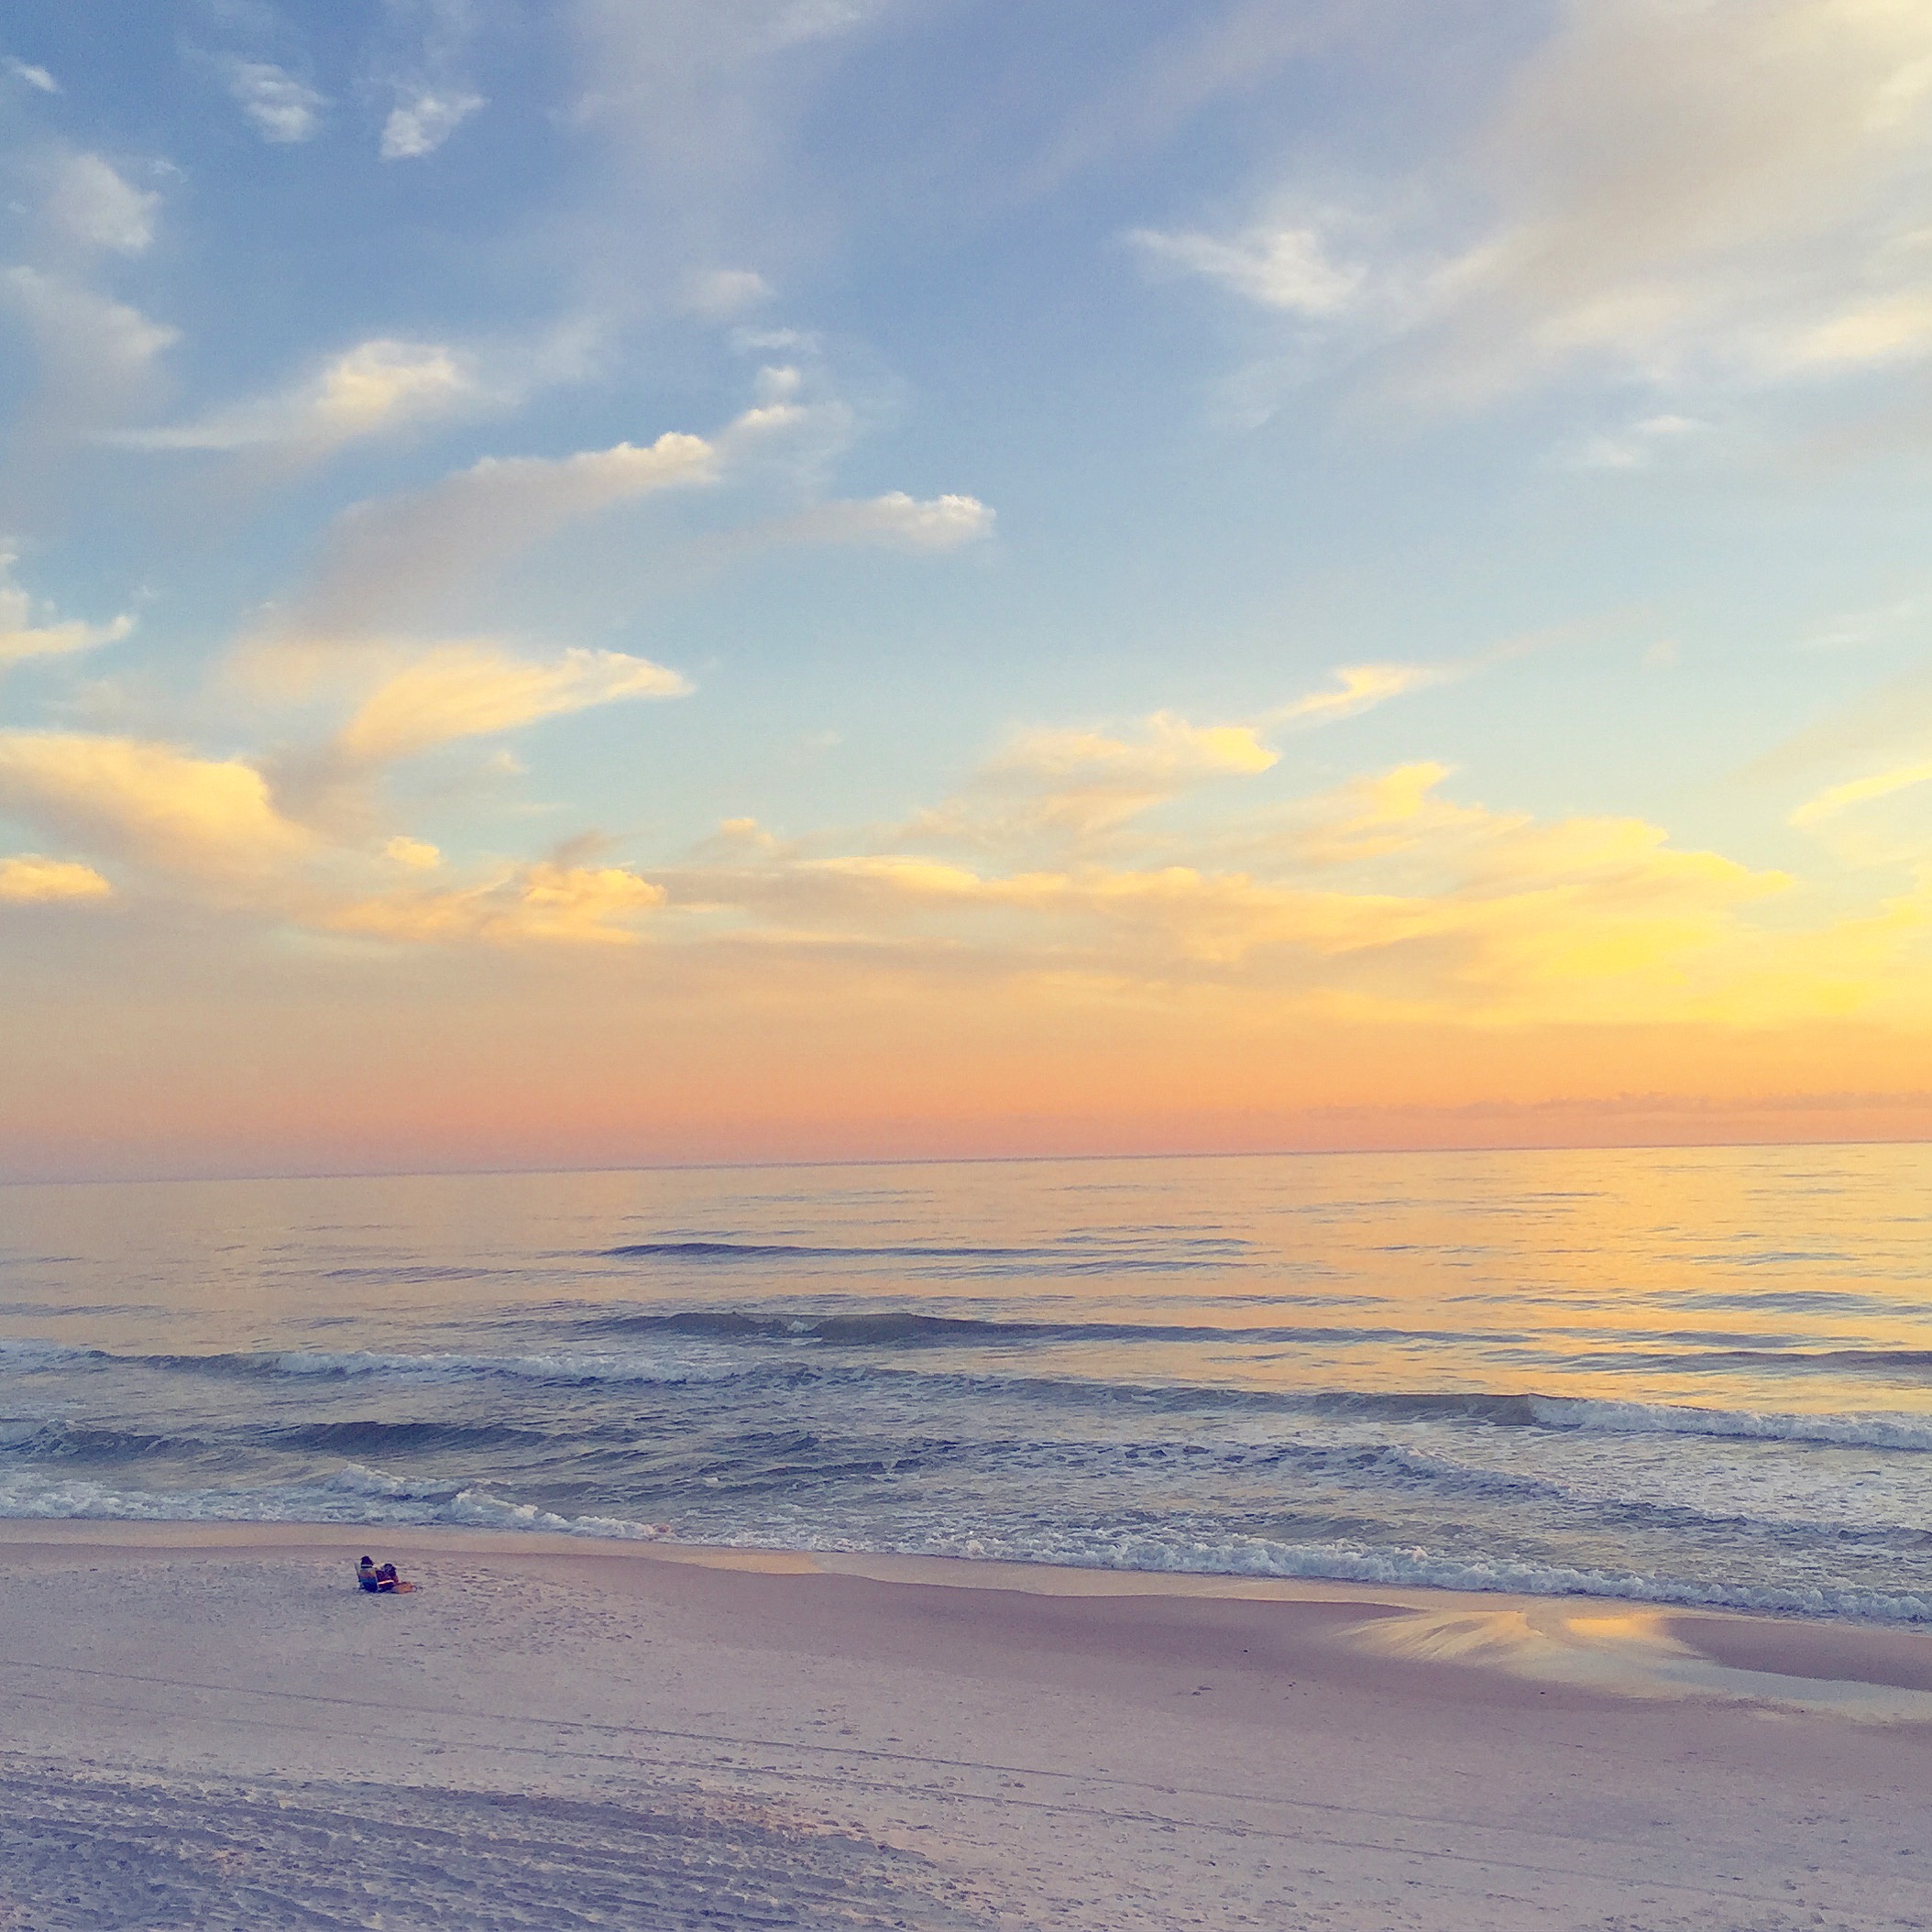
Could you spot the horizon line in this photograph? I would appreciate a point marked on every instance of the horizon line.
(937, 1161)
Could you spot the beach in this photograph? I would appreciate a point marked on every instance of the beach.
(210, 1725)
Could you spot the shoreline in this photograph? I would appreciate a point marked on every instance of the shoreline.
(931, 1742)
(1623, 1647)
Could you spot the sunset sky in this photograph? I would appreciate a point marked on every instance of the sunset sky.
(642, 581)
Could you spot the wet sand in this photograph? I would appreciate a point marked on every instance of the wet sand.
(211, 1725)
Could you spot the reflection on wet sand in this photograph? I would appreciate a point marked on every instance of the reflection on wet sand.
(1879, 1675)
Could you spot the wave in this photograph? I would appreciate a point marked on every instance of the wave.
(25, 1354)
(353, 1495)
(1413, 1567)
(1205, 1252)
(1868, 1430)
(895, 1328)
(356, 1494)
(562, 1367)
(698, 1352)
(567, 1367)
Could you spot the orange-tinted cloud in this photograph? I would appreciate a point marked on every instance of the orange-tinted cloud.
(30, 879)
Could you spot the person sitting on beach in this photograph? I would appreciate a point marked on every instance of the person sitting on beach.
(367, 1576)
(387, 1579)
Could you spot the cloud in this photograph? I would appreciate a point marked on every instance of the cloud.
(1852, 630)
(21, 637)
(1361, 688)
(474, 690)
(91, 204)
(1085, 784)
(546, 904)
(421, 125)
(719, 294)
(30, 879)
(1286, 268)
(1727, 193)
(425, 70)
(1232, 51)
(1837, 798)
(378, 387)
(96, 352)
(281, 109)
(1637, 447)
(211, 819)
(1058, 783)
(211, 829)
(894, 520)
(37, 78)
(416, 855)
(389, 561)
(1381, 897)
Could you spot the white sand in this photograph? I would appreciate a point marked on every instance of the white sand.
(212, 1727)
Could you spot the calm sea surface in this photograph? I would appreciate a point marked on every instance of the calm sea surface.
(1698, 1376)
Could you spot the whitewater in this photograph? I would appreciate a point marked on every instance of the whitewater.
(1696, 1377)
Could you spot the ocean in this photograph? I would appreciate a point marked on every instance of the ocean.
(1695, 1376)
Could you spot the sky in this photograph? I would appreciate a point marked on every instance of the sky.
(626, 581)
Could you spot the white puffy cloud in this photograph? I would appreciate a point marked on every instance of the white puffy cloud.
(425, 69)
(279, 107)
(421, 125)
(25, 72)
(91, 204)
(896, 520)
(21, 636)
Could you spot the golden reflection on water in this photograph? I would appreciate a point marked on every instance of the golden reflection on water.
(1779, 1279)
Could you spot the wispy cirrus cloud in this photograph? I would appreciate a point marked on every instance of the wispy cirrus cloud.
(478, 689)
(1290, 269)
(388, 566)
(97, 355)
(375, 387)
(1837, 798)
(1360, 687)
(1724, 193)
(26, 632)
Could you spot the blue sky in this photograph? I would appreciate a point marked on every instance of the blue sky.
(778, 489)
